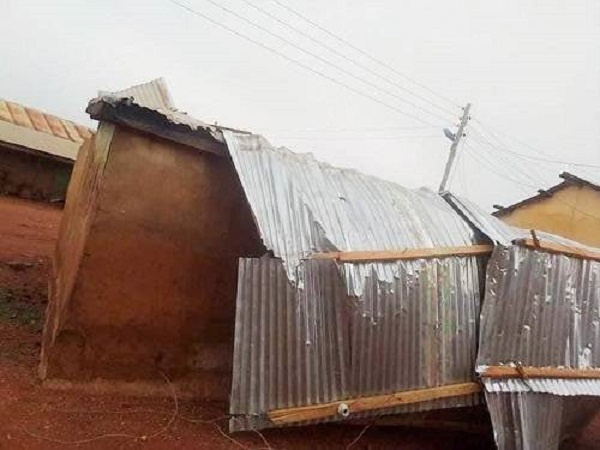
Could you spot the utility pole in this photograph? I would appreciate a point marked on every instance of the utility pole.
(455, 140)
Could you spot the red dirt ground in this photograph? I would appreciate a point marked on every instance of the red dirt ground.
(32, 416)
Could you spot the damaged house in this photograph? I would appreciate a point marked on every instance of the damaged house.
(295, 290)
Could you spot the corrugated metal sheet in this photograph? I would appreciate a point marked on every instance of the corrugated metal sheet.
(35, 120)
(498, 231)
(560, 387)
(153, 95)
(533, 421)
(291, 347)
(526, 421)
(300, 346)
(310, 331)
(303, 206)
(541, 310)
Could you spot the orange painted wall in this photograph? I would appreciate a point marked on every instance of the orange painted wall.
(573, 212)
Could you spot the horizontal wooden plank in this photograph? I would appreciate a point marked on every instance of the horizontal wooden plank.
(559, 248)
(355, 405)
(539, 372)
(412, 253)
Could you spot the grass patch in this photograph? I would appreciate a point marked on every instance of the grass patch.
(14, 310)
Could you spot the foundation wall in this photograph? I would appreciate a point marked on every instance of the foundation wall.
(158, 232)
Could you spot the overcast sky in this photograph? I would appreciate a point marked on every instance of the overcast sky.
(530, 68)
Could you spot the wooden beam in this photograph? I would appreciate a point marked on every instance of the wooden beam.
(552, 247)
(539, 372)
(409, 253)
(321, 411)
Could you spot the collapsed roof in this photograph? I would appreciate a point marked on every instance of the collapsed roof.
(326, 320)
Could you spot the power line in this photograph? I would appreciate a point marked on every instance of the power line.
(360, 138)
(497, 152)
(492, 129)
(352, 130)
(526, 176)
(364, 53)
(477, 158)
(491, 169)
(537, 158)
(345, 57)
(323, 60)
(552, 161)
(494, 169)
(300, 64)
(518, 169)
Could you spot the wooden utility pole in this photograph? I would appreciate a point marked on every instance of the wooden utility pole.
(455, 141)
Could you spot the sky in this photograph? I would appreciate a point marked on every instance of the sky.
(530, 68)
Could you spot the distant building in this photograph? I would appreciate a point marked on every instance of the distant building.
(37, 152)
(570, 209)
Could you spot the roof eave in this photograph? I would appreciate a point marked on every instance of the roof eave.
(128, 114)
(574, 179)
(542, 194)
(568, 180)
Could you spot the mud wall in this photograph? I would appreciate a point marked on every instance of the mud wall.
(32, 176)
(157, 234)
(77, 217)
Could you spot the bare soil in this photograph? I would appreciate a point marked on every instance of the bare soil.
(33, 416)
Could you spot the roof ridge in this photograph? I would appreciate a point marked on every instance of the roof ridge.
(567, 180)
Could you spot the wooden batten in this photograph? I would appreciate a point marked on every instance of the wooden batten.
(552, 247)
(539, 372)
(355, 405)
(418, 253)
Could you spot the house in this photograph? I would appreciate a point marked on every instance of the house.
(255, 275)
(570, 209)
(300, 293)
(145, 269)
(37, 152)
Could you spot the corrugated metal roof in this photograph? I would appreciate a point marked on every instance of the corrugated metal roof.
(500, 232)
(33, 119)
(153, 95)
(312, 331)
(303, 206)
